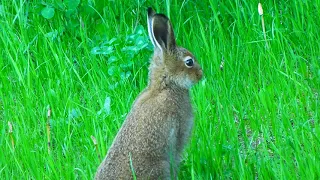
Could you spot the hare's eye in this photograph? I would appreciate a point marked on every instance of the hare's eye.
(189, 63)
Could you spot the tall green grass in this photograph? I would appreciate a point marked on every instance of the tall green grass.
(257, 117)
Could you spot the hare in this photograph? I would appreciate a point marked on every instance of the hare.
(151, 140)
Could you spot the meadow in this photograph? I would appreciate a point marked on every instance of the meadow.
(257, 110)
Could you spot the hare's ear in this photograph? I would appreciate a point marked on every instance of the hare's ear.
(161, 31)
(151, 13)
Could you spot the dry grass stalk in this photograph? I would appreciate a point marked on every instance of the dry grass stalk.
(96, 146)
(260, 10)
(48, 130)
(11, 134)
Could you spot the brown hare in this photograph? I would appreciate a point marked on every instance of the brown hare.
(156, 130)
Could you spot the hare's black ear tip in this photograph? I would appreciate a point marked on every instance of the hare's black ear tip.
(150, 11)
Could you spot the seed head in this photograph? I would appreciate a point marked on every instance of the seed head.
(260, 10)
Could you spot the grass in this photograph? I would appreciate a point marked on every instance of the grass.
(257, 117)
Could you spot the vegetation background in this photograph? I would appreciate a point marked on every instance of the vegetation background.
(257, 109)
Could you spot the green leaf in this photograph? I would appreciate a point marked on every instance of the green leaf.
(112, 59)
(70, 13)
(1, 10)
(139, 30)
(102, 50)
(106, 107)
(110, 42)
(75, 113)
(52, 35)
(113, 70)
(47, 12)
(141, 42)
(125, 75)
(72, 4)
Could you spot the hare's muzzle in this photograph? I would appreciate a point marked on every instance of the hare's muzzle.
(199, 74)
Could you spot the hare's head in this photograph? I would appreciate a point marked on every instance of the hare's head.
(171, 65)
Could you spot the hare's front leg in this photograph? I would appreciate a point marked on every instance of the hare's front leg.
(161, 171)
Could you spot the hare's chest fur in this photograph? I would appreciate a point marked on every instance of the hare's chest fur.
(177, 112)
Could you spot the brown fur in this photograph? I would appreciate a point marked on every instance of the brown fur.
(159, 124)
